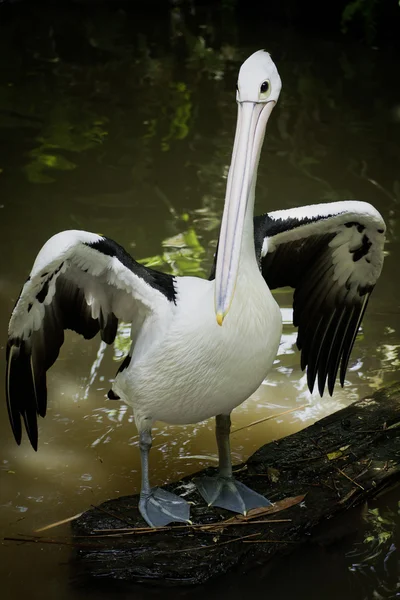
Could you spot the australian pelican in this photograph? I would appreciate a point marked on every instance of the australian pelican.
(200, 348)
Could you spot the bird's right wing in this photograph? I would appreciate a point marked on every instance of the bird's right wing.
(79, 281)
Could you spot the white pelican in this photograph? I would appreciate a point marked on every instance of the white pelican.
(200, 348)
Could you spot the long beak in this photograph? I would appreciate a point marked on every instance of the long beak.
(250, 130)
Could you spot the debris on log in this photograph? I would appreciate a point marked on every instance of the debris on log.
(310, 476)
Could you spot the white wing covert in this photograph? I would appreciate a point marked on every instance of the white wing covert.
(332, 254)
(79, 281)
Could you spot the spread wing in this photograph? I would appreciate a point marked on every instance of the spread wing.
(332, 255)
(79, 281)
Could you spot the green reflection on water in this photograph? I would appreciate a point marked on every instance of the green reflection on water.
(184, 255)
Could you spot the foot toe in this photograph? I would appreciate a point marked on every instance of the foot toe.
(161, 508)
(251, 498)
(229, 494)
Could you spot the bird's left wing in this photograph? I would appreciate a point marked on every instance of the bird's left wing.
(80, 281)
(332, 254)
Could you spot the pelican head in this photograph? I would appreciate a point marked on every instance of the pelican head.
(258, 89)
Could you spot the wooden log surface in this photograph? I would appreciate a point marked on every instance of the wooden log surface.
(334, 464)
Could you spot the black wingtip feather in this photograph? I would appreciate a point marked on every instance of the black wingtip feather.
(30, 420)
(337, 350)
(311, 351)
(328, 357)
(351, 337)
(13, 411)
(41, 394)
(20, 387)
(109, 328)
(310, 383)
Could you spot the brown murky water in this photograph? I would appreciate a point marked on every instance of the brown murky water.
(122, 124)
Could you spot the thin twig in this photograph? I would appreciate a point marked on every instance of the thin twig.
(348, 496)
(270, 542)
(39, 540)
(299, 460)
(350, 479)
(208, 547)
(370, 431)
(335, 487)
(201, 528)
(57, 523)
(285, 412)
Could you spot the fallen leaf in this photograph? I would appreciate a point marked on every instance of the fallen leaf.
(338, 453)
(273, 474)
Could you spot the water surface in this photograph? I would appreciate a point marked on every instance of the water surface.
(122, 124)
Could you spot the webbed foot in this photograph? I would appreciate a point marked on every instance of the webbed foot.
(228, 493)
(159, 508)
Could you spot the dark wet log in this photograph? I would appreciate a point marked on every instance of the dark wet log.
(339, 461)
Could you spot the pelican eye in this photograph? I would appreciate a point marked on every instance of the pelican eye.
(265, 89)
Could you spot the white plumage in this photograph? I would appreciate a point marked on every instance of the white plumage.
(183, 367)
(186, 371)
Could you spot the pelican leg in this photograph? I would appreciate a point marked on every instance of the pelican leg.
(223, 490)
(157, 506)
